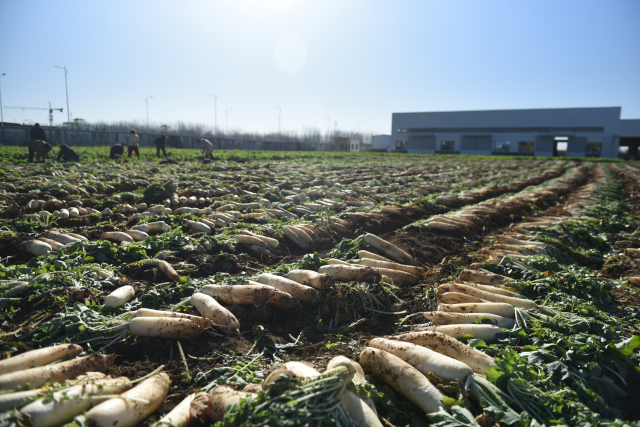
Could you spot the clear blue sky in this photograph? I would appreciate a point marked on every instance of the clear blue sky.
(355, 61)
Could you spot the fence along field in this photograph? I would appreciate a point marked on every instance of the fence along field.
(318, 288)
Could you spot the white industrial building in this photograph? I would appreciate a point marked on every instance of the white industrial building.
(597, 132)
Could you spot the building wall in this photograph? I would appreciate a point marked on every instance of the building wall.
(476, 132)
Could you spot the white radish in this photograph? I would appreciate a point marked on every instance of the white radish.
(458, 298)
(174, 328)
(123, 412)
(37, 377)
(65, 404)
(301, 370)
(137, 235)
(268, 240)
(311, 278)
(220, 398)
(359, 411)
(444, 344)
(403, 377)
(180, 416)
(301, 292)
(483, 278)
(251, 241)
(62, 238)
(295, 238)
(499, 308)
(147, 312)
(198, 226)
(252, 293)
(350, 273)
(424, 360)
(36, 247)
(117, 236)
(487, 296)
(398, 277)
(39, 357)
(416, 271)
(480, 331)
(445, 318)
(119, 297)
(390, 250)
(212, 310)
(77, 236)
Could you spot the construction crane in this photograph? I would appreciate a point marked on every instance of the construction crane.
(40, 108)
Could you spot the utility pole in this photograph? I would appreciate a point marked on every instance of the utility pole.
(146, 100)
(215, 130)
(226, 120)
(1, 113)
(66, 88)
(279, 122)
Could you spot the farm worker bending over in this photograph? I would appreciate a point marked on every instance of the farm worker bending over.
(38, 134)
(160, 143)
(116, 150)
(206, 147)
(132, 142)
(67, 153)
(39, 149)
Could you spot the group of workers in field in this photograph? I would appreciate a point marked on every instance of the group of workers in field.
(39, 147)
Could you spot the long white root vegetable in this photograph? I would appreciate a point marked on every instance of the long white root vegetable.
(483, 278)
(268, 240)
(398, 277)
(36, 247)
(65, 404)
(137, 235)
(403, 377)
(350, 273)
(301, 292)
(37, 377)
(220, 398)
(444, 344)
(252, 293)
(180, 416)
(446, 318)
(165, 267)
(292, 234)
(62, 238)
(359, 410)
(371, 255)
(480, 331)
(119, 297)
(55, 246)
(416, 271)
(424, 360)
(301, 370)
(251, 241)
(458, 298)
(198, 226)
(118, 236)
(499, 308)
(39, 357)
(389, 249)
(311, 278)
(147, 312)
(174, 328)
(124, 412)
(212, 310)
(487, 296)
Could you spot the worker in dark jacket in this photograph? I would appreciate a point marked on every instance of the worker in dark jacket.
(38, 134)
(160, 144)
(116, 150)
(40, 149)
(67, 153)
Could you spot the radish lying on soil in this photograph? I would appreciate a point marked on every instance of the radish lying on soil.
(483, 278)
(458, 298)
(416, 271)
(444, 344)
(127, 412)
(350, 273)
(36, 247)
(499, 308)
(445, 318)
(480, 331)
(487, 296)
(179, 416)
(403, 377)
(220, 398)
(65, 404)
(301, 292)
(220, 316)
(117, 236)
(311, 278)
(252, 293)
(147, 312)
(39, 357)
(37, 377)
(119, 297)
(176, 328)
(424, 360)
(389, 249)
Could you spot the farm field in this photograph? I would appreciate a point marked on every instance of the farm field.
(311, 288)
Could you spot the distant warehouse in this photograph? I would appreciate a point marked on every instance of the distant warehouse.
(582, 132)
